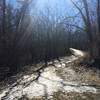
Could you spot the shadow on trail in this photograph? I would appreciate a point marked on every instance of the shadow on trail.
(95, 64)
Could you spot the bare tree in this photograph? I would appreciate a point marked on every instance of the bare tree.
(93, 37)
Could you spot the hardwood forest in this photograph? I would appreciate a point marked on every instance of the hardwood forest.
(54, 44)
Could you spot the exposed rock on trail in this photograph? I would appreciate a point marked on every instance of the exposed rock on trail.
(60, 78)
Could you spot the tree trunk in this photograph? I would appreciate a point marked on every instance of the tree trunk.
(3, 20)
(98, 22)
(93, 37)
(96, 37)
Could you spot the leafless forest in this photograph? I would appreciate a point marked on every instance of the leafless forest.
(32, 35)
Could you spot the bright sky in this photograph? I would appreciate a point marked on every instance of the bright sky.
(55, 4)
(57, 7)
(62, 8)
(60, 5)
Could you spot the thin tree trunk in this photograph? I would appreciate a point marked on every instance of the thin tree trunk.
(98, 22)
(3, 19)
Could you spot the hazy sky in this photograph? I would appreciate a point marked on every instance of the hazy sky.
(55, 4)
(57, 7)
(60, 7)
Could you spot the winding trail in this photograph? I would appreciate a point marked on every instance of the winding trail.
(60, 76)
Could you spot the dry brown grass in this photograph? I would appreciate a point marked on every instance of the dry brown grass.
(75, 96)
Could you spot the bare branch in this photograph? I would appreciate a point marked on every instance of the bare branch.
(77, 27)
(79, 11)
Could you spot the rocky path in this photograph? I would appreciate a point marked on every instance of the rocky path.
(64, 80)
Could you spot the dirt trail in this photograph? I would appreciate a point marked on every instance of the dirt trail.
(63, 76)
